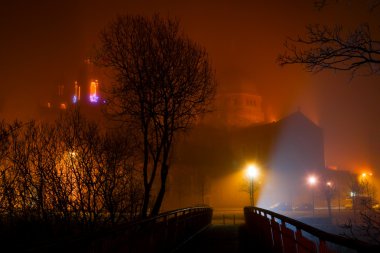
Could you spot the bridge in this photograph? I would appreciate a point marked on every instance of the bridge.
(192, 230)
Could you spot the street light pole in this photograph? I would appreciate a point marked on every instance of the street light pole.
(252, 173)
(312, 181)
(251, 192)
(312, 193)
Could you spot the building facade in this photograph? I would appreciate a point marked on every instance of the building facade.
(238, 109)
(286, 151)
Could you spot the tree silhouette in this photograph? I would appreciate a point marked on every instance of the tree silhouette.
(65, 178)
(162, 83)
(329, 191)
(333, 48)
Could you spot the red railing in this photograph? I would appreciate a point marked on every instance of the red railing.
(282, 234)
(161, 233)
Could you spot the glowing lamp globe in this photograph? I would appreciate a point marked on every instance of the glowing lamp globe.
(252, 171)
(312, 180)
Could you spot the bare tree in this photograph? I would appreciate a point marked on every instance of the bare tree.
(7, 176)
(363, 192)
(329, 191)
(65, 178)
(122, 192)
(372, 4)
(332, 48)
(97, 172)
(365, 226)
(162, 83)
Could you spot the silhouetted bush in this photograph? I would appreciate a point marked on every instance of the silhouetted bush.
(65, 178)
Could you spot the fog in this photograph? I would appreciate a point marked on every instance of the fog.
(44, 43)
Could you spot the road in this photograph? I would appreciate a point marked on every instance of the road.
(319, 220)
(222, 239)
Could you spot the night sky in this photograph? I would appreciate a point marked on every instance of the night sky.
(43, 43)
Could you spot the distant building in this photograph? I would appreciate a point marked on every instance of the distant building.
(83, 92)
(291, 150)
(287, 152)
(237, 110)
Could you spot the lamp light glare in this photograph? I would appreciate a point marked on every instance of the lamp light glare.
(252, 171)
(312, 180)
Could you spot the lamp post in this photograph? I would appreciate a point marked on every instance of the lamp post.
(312, 181)
(252, 172)
(329, 192)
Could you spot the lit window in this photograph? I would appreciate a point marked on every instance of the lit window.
(94, 98)
(76, 96)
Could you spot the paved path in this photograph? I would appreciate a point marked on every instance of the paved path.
(222, 238)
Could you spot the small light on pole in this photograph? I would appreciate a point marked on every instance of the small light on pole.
(252, 172)
(312, 181)
(329, 191)
(365, 177)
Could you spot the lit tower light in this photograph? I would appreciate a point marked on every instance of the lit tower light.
(62, 105)
(94, 98)
(76, 96)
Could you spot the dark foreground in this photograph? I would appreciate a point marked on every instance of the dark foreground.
(222, 238)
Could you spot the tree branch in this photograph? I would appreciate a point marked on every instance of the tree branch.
(329, 48)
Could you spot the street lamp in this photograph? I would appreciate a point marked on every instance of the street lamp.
(329, 192)
(252, 172)
(312, 181)
(364, 177)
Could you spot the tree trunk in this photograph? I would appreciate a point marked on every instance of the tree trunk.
(161, 193)
(144, 210)
(147, 186)
(329, 207)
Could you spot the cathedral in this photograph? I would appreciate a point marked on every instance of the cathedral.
(211, 160)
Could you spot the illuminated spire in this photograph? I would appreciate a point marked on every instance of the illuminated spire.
(94, 98)
(76, 96)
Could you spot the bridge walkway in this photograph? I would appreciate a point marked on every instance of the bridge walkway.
(222, 238)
